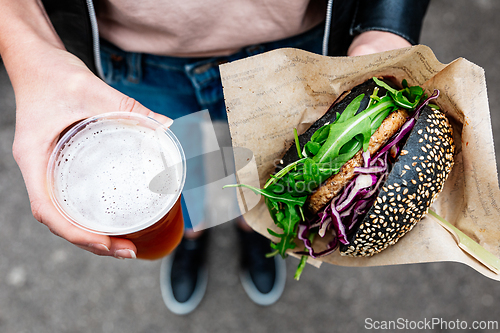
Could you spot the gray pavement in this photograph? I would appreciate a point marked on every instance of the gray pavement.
(48, 285)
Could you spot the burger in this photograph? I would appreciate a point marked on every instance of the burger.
(362, 175)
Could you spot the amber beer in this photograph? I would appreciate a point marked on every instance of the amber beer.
(162, 237)
(104, 176)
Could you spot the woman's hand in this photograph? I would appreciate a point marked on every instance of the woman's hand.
(375, 41)
(58, 91)
(53, 90)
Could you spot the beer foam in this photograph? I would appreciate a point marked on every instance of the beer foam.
(102, 175)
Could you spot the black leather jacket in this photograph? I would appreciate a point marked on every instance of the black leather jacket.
(74, 21)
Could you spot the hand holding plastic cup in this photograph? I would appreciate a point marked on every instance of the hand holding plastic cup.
(121, 174)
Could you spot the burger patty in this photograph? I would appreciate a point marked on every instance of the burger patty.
(333, 185)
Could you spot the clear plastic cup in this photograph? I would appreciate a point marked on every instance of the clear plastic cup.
(121, 174)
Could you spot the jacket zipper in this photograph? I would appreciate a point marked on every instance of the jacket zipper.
(95, 38)
(328, 23)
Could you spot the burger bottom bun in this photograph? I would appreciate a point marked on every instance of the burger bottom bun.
(416, 179)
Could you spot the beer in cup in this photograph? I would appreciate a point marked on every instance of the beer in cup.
(121, 174)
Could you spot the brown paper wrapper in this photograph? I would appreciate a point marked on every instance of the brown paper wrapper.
(269, 95)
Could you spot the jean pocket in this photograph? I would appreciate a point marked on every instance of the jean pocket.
(113, 66)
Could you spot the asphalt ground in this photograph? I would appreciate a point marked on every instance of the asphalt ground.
(49, 285)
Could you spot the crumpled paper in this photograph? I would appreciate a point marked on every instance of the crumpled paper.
(269, 95)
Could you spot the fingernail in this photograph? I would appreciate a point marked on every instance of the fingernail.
(125, 254)
(169, 122)
(100, 247)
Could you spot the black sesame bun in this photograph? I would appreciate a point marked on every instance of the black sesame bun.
(416, 179)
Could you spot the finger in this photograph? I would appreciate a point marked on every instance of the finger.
(123, 248)
(129, 104)
(120, 249)
(122, 102)
(100, 98)
(98, 244)
(370, 42)
(94, 250)
(34, 165)
(166, 121)
(58, 225)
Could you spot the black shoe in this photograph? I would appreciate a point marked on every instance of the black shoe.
(184, 276)
(262, 278)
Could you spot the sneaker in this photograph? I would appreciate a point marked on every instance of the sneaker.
(262, 278)
(184, 276)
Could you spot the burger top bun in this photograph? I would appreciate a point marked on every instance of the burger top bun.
(416, 178)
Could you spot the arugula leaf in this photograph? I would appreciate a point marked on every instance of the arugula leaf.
(312, 176)
(351, 109)
(377, 121)
(373, 97)
(343, 132)
(282, 172)
(300, 268)
(312, 147)
(285, 198)
(303, 260)
(407, 98)
(297, 144)
(321, 134)
(284, 211)
(352, 146)
(386, 86)
(286, 218)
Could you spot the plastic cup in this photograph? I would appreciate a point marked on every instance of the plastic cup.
(121, 174)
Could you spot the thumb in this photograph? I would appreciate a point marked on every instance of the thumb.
(124, 103)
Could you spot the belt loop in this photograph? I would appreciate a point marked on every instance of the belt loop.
(134, 67)
(254, 49)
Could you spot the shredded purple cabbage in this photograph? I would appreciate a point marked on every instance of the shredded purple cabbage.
(344, 211)
(302, 234)
(338, 226)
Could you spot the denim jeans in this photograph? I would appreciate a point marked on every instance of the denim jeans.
(177, 87)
